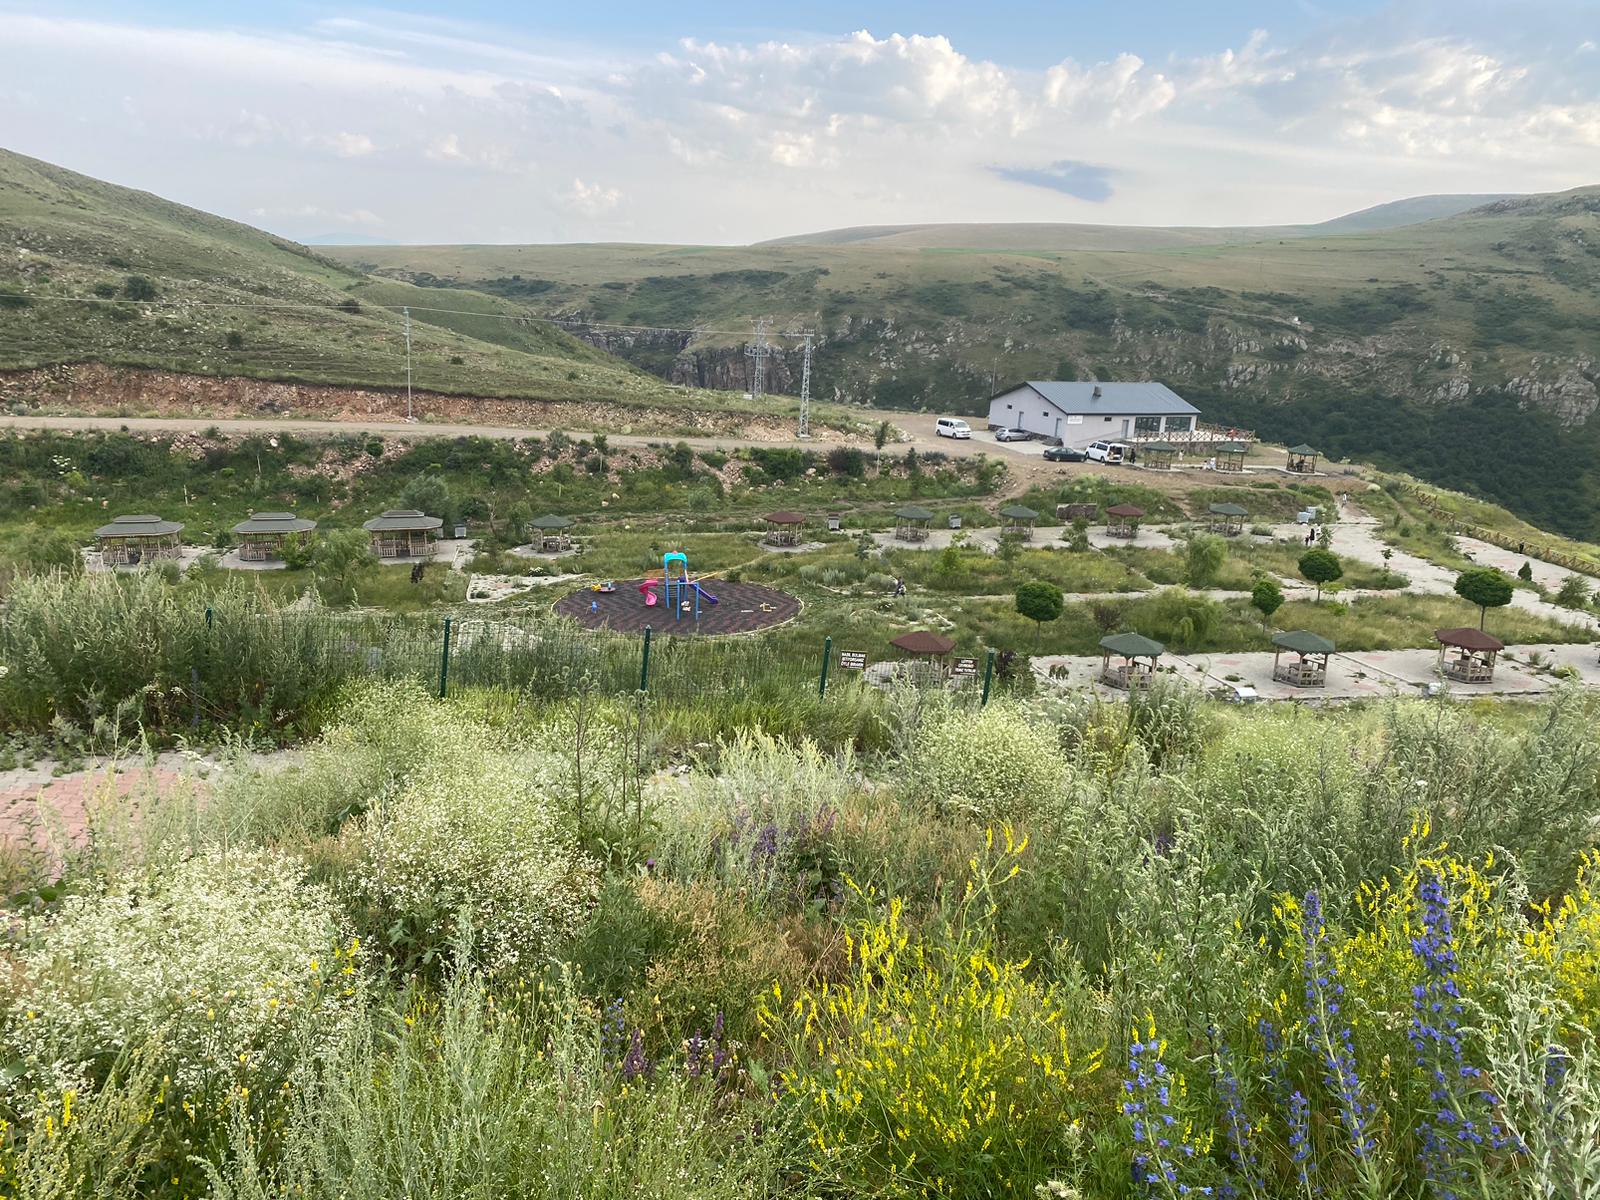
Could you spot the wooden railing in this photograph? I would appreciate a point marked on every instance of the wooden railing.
(1456, 523)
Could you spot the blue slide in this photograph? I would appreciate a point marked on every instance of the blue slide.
(704, 595)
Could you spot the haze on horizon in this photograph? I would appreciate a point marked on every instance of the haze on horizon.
(696, 126)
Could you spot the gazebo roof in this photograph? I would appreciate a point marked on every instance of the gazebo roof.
(1226, 509)
(1019, 512)
(1233, 448)
(275, 522)
(1125, 510)
(1132, 645)
(921, 641)
(548, 521)
(1302, 641)
(1302, 448)
(1468, 639)
(402, 520)
(1160, 448)
(785, 517)
(913, 513)
(138, 525)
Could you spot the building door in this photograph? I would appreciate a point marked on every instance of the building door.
(1058, 429)
(1124, 427)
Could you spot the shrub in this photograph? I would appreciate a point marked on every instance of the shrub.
(1574, 592)
(1320, 566)
(224, 957)
(995, 765)
(1203, 556)
(848, 461)
(48, 550)
(1040, 601)
(137, 287)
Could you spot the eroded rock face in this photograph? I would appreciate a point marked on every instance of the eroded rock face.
(1564, 388)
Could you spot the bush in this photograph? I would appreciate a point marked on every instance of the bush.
(48, 550)
(848, 461)
(996, 765)
(137, 287)
(225, 958)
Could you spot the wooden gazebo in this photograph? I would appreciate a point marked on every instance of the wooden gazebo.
(1138, 666)
(1019, 519)
(928, 651)
(1122, 520)
(261, 537)
(1230, 456)
(140, 538)
(1158, 456)
(1228, 519)
(1467, 655)
(1303, 459)
(783, 528)
(551, 533)
(1310, 665)
(403, 533)
(911, 523)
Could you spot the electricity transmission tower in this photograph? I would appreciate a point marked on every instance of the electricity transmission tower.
(805, 390)
(757, 355)
(407, 312)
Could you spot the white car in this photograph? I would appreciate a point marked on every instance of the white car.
(1012, 435)
(1105, 452)
(952, 427)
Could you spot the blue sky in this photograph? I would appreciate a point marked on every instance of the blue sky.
(485, 120)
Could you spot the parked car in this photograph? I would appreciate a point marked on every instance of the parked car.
(1106, 452)
(1012, 435)
(952, 427)
(1063, 454)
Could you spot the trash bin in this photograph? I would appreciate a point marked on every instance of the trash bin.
(834, 521)
(461, 531)
(955, 522)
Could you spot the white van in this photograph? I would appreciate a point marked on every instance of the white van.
(1106, 452)
(952, 427)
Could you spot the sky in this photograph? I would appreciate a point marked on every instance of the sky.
(499, 121)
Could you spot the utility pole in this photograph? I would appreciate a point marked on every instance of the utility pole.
(409, 418)
(805, 391)
(757, 356)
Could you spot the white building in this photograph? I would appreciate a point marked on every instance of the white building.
(1076, 414)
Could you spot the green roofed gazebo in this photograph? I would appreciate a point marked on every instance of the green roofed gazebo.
(1158, 455)
(783, 528)
(1228, 519)
(1019, 519)
(550, 533)
(1122, 520)
(911, 523)
(1303, 459)
(261, 537)
(1475, 651)
(1138, 654)
(1230, 456)
(139, 538)
(1310, 667)
(403, 533)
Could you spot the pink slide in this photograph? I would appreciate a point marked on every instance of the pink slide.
(648, 587)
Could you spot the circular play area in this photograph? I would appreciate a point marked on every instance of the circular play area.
(704, 606)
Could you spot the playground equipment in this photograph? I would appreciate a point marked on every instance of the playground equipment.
(683, 593)
(648, 590)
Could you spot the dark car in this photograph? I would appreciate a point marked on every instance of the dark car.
(1063, 454)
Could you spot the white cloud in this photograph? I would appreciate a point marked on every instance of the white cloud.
(592, 199)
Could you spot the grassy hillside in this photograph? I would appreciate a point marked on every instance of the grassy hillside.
(168, 286)
(1461, 348)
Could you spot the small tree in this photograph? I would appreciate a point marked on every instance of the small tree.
(1486, 587)
(880, 439)
(1320, 566)
(1525, 571)
(1574, 592)
(1008, 546)
(1387, 552)
(137, 287)
(429, 494)
(298, 550)
(340, 557)
(1040, 601)
(1203, 556)
(1266, 597)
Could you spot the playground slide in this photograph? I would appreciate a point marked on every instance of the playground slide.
(704, 595)
(648, 587)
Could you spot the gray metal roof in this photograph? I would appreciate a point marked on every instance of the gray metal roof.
(1112, 399)
(402, 520)
(275, 523)
(138, 525)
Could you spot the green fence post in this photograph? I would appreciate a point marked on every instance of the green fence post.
(988, 678)
(644, 663)
(444, 661)
(827, 657)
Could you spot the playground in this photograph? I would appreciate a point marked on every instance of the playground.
(677, 602)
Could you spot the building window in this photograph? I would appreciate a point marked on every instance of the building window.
(1147, 424)
(1008, 408)
(1180, 424)
(1108, 419)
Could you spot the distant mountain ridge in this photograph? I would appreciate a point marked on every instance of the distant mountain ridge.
(1039, 236)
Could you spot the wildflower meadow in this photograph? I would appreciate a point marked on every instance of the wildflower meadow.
(506, 945)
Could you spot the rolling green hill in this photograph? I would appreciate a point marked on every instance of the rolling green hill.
(99, 273)
(1462, 348)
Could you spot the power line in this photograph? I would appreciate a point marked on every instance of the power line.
(757, 356)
